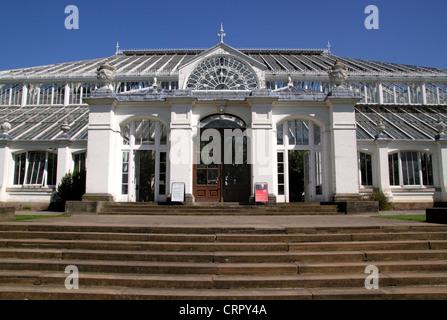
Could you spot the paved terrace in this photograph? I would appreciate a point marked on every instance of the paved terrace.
(258, 222)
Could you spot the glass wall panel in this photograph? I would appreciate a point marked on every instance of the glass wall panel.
(19, 168)
(410, 168)
(144, 132)
(318, 174)
(442, 88)
(33, 95)
(36, 167)
(79, 162)
(280, 163)
(431, 93)
(125, 173)
(401, 90)
(427, 169)
(298, 132)
(415, 93)
(125, 134)
(388, 92)
(46, 94)
(280, 134)
(393, 163)
(162, 174)
(366, 169)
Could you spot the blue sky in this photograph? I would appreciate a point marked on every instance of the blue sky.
(410, 32)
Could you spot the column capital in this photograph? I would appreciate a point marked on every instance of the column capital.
(382, 139)
(441, 138)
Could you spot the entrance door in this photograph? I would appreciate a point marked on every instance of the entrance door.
(207, 184)
(145, 175)
(298, 176)
(228, 178)
(300, 161)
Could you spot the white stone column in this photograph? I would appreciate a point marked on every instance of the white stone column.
(424, 93)
(344, 162)
(67, 93)
(102, 150)
(6, 161)
(382, 178)
(261, 138)
(64, 160)
(181, 150)
(6, 164)
(442, 164)
(24, 95)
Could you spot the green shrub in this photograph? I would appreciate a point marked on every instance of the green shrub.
(380, 197)
(72, 186)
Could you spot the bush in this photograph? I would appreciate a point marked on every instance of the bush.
(72, 187)
(380, 197)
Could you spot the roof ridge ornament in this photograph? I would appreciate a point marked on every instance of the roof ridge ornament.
(221, 34)
(380, 127)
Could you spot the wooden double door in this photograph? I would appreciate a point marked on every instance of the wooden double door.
(224, 180)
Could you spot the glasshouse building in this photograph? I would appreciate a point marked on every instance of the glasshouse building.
(307, 125)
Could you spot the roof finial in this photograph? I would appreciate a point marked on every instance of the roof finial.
(328, 47)
(221, 34)
(117, 47)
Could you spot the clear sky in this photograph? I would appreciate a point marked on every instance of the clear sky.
(410, 31)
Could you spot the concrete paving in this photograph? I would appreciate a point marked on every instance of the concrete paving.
(221, 221)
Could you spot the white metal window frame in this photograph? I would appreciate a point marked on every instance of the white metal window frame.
(419, 169)
(313, 148)
(359, 158)
(132, 147)
(44, 173)
(81, 160)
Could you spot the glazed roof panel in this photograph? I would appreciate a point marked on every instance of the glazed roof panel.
(140, 62)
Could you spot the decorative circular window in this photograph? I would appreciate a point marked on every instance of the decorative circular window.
(222, 73)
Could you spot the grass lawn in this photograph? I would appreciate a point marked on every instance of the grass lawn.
(414, 217)
(30, 217)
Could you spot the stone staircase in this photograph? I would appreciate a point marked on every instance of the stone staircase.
(218, 208)
(175, 262)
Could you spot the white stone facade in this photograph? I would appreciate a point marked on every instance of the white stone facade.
(139, 135)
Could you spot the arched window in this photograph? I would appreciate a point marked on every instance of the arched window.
(298, 133)
(222, 73)
(144, 132)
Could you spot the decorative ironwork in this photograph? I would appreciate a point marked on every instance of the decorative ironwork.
(222, 73)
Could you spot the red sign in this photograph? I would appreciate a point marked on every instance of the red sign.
(261, 192)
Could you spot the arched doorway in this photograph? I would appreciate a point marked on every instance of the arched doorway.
(144, 169)
(299, 159)
(221, 172)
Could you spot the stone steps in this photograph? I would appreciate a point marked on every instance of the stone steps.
(355, 280)
(119, 293)
(213, 230)
(175, 262)
(225, 246)
(210, 238)
(225, 257)
(219, 209)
